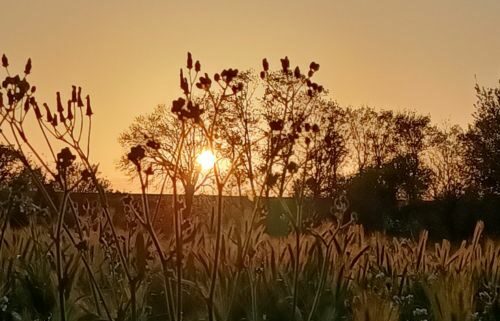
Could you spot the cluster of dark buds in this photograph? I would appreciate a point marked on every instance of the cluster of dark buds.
(292, 167)
(285, 64)
(86, 175)
(314, 128)
(137, 153)
(204, 83)
(17, 88)
(228, 75)
(276, 125)
(184, 83)
(197, 65)
(285, 68)
(64, 159)
(187, 110)
(313, 88)
(153, 144)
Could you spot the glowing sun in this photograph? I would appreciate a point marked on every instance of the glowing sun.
(206, 160)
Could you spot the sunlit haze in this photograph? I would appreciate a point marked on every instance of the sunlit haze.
(421, 55)
(206, 159)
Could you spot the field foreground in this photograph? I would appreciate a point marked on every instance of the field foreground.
(329, 273)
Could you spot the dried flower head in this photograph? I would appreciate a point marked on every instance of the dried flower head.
(137, 153)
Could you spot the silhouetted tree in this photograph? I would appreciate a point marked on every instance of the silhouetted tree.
(412, 138)
(290, 100)
(377, 193)
(445, 158)
(372, 194)
(158, 133)
(372, 136)
(329, 154)
(78, 177)
(360, 121)
(482, 141)
(19, 195)
(10, 165)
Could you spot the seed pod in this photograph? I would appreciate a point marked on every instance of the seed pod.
(189, 61)
(27, 69)
(285, 64)
(47, 111)
(38, 113)
(88, 112)
(197, 66)
(265, 64)
(10, 97)
(60, 107)
(70, 112)
(73, 94)
(5, 61)
(26, 105)
(80, 102)
(297, 72)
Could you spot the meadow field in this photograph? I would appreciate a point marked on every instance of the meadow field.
(329, 272)
(66, 257)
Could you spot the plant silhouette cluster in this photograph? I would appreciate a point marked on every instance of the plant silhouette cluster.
(280, 145)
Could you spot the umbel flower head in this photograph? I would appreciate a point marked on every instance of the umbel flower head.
(65, 159)
(186, 110)
(137, 153)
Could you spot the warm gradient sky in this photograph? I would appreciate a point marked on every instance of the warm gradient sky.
(420, 55)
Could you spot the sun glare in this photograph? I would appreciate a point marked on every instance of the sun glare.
(206, 160)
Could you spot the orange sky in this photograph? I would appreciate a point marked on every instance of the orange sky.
(420, 55)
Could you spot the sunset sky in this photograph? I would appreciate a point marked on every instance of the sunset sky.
(421, 55)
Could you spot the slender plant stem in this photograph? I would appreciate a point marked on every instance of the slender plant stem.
(59, 259)
(215, 267)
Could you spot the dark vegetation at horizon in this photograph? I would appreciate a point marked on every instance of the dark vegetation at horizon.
(281, 143)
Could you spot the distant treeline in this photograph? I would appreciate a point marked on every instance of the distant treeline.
(396, 170)
(281, 135)
(452, 218)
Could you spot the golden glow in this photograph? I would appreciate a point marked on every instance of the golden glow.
(206, 160)
(388, 54)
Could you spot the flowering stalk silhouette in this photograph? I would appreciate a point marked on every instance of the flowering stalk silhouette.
(67, 126)
(274, 156)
